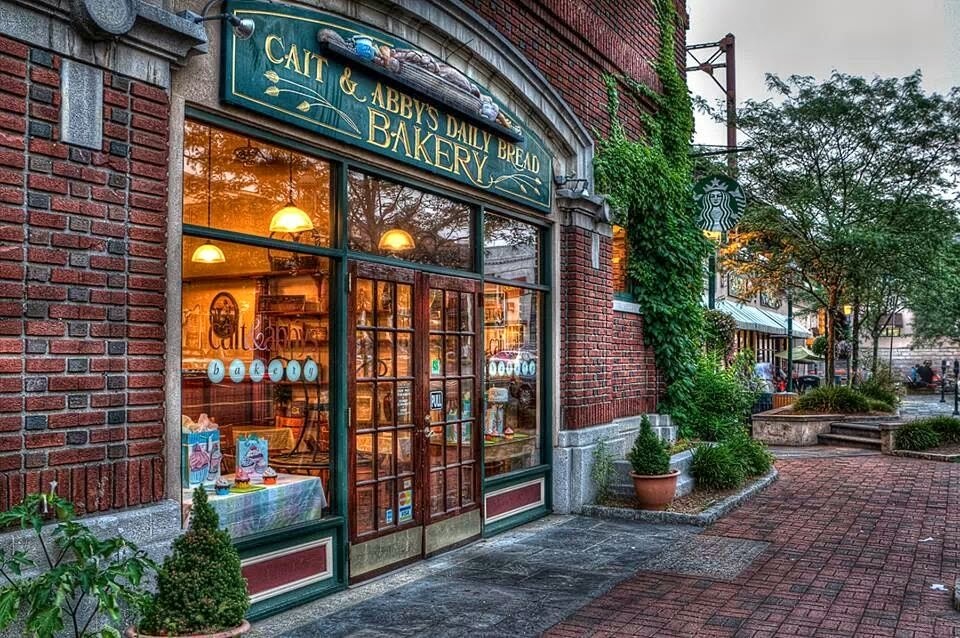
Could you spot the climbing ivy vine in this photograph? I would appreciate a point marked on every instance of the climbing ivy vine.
(648, 182)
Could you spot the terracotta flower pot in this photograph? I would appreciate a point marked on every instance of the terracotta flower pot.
(656, 491)
(226, 633)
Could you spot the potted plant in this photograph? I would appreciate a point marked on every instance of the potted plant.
(201, 590)
(653, 481)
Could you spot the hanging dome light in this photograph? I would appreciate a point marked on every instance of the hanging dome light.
(396, 240)
(207, 253)
(290, 219)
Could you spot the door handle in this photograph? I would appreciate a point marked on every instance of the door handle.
(427, 432)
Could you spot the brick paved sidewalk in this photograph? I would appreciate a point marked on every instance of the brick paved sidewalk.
(847, 556)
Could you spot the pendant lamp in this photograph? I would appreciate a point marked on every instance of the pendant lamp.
(207, 253)
(396, 240)
(290, 219)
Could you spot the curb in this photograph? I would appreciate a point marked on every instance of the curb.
(927, 456)
(707, 517)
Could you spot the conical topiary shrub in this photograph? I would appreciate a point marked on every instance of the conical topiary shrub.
(653, 481)
(200, 586)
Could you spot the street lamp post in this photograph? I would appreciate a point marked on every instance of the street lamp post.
(789, 341)
(943, 379)
(956, 395)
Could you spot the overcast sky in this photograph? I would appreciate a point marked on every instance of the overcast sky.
(814, 37)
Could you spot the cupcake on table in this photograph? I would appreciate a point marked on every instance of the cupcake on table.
(269, 476)
(242, 478)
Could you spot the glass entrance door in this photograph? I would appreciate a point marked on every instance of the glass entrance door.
(413, 389)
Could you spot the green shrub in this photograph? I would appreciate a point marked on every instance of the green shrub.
(682, 445)
(716, 467)
(78, 565)
(946, 427)
(839, 399)
(876, 405)
(648, 456)
(917, 435)
(602, 471)
(719, 332)
(720, 403)
(881, 386)
(200, 586)
(751, 453)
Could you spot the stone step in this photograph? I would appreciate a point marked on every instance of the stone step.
(845, 440)
(863, 430)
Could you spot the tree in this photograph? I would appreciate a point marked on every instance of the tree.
(935, 299)
(837, 170)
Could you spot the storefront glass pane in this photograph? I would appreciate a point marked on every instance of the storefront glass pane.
(512, 355)
(511, 249)
(255, 387)
(400, 221)
(246, 183)
(619, 259)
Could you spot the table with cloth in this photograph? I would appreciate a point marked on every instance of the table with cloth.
(294, 499)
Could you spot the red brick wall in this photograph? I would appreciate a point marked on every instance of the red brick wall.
(586, 325)
(82, 262)
(606, 370)
(574, 42)
(636, 384)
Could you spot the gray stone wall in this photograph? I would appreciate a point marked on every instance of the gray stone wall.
(573, 459)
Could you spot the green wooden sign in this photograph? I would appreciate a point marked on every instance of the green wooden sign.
(364, 87)
(720, 203)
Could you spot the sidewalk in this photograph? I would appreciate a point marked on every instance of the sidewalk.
(515, 584)
(841, 545)
(855, 546)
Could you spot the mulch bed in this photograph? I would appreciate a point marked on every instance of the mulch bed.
(693, 503)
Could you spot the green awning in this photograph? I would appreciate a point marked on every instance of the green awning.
(759, 320)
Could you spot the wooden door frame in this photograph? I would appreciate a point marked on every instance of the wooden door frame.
(473, 287)
(397, 275)
(421, 283)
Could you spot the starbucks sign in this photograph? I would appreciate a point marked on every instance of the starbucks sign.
(720, 203)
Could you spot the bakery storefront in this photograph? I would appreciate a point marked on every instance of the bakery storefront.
(365, 329)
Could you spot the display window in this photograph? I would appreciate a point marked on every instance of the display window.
(511, 332)
(619, 260)
(255, 335)
(237, 183)
(255, 426)
(391, 219)
(511, 249)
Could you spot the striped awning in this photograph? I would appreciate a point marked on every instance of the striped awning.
(760, 320)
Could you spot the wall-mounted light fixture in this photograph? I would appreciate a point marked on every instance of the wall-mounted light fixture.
(242, 28)
(572, 183)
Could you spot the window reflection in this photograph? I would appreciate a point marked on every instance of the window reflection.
(249, 182)
(619, 258)
(511, 249)
(512, 356)
(392, 219)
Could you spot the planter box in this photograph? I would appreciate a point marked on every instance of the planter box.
(782, 427)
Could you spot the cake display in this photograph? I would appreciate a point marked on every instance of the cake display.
(269, 476)
(222, 486)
